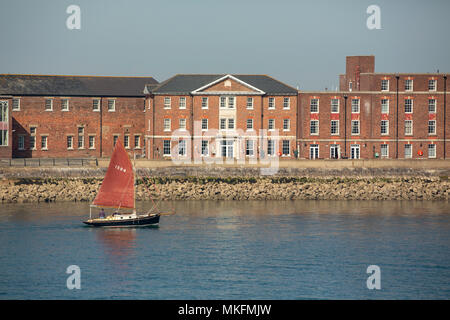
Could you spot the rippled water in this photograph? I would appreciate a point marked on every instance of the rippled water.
(231, 250)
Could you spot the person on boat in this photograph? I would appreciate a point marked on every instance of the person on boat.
(115, 213)
(102, 214)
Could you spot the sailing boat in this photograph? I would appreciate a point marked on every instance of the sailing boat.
(117, 191)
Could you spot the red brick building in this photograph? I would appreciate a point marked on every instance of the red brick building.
(72, 116)
(221, 116)
(376, 115)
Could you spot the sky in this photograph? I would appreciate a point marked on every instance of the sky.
(301, 43)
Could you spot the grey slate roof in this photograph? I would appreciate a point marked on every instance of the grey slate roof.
(47, 85)
(186, 83)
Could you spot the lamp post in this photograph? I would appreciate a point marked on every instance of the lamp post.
(345, 126)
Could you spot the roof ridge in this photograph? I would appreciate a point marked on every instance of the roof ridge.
(70, 75)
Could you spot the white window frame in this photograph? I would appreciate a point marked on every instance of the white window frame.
(204, 121)
(167, 102)
(336, 126)
(386, 126)
(138, 145)
(384, 147)
(434, 105)
(80, 137)
(334, 105)
(91, 147)
(384, 84)
(249, 148)
(407, 88)
(69, 138)
(288, 126)
(283, 148)
(408, 156)
(63, 106)
(15, 104)
(412, 105)
(286, 103)
(406, 127)
(315, 126)
(249, 121)
(111, 105)
(45, 147)
(165, 147)
(434, 151)
(433, 126)
(21, 142)
(223, 124)
(434, 87)
(96, 105)
(204, 146)
(182, 149)
(272, 105)
(271, 125)
(205, 102)
(182, 123)
(384, 105)
(358, 105)
(48, 102)
(167, 124)
(316, 105)
(358, 127)
(249, 103)
(182, 103)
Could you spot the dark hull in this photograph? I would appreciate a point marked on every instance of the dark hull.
(135, 222)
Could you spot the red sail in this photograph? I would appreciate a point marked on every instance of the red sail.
(117, 189)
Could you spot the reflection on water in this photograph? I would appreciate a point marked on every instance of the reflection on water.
(230, 250)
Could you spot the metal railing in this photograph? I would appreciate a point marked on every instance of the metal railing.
(48, 162)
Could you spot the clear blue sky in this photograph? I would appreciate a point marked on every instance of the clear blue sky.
(302, 43)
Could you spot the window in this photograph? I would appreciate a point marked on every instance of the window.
(167, 124)
(21, 142)
(408, 151)
(334, 151)
(355, 105)
(384, 85)
(204, 102)
(65, 105)
(286, 103)
(408, 85)
(223, 102)
(223, 123)
(249, 124)
(91, 142)
(408, 127)
(33, 138)
(249, 148)
(230, 123)
(334, 127)
(32, 130)
(408, 106)
(80, 137)
(286, 147)
(4, 111)
(205, 148)
(354, 151)
(96, 105)
(182, 147)
(313, 151)
(204, 124)
(384, 127)
(355, 127)
(149, 124)
(249, 103)
(384, 105)
(182, 104)
(432, 127)
(166, 148)
(431, 151)
(231, 102)
(314, 127)
(167, 102)
(16, 104)
(271, 103)
(270, 147)
(69, 142)
(48, 104)
(350, 86)
(137, 141)
(432, 105)
(182, 123)
(334, 105)
(384, 150)
(111, 105)
(126, 141)
(115, 138)
(286, 124)
(432, 85)
(314, 105)
(44, 144)
(271, 124)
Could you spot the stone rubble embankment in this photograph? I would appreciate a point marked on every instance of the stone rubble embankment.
(229, 188)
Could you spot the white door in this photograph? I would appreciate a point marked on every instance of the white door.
(226, 147)
(335, 151)
(354, 151)
(314, 151)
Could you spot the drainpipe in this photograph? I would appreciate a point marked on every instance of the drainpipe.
(153, 106)
(192, 127)
(345, 126)
(261, 144)
(396, 121)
